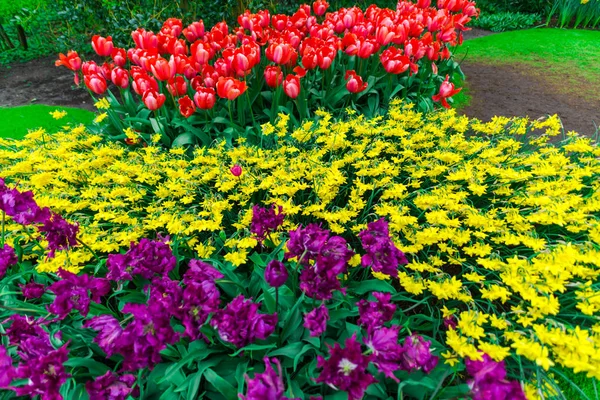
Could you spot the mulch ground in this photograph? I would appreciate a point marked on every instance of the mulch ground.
(499, 89)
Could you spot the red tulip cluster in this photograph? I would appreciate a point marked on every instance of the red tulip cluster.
(288, 51)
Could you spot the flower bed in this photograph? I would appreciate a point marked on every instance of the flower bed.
(281, 263)
(224, 82)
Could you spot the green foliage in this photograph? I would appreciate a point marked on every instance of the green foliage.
(506, 21)
(576, 14)
(523, 6)
(10, 8)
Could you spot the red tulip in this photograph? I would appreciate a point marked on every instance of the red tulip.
(163, 69)
(280, 53)
(183, 66)
(177, 86)
(106, 70)
(240, 63)
(210, 75)
(90, 67)
(176, 46)
(102, 46)
(172, 26)
(446, 90)
(194, 31)
(236, 170)
(144, 39)
(71, 60)
(230, 88)
(325, 56)
(264, 18)
(394, 61)
(367, 48)
(153, 100)
(96, 83)
(299, 71)
(143, 83)
(201, 52)
(355, 83)
(280, 21)
(119, 56)
(120, 77)
(310, 59)
(186, 106)
(385, 34)
(320, 6)
(291, 86)
(273, 76)
(205, 98)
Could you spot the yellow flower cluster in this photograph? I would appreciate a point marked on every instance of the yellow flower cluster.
(500, 224)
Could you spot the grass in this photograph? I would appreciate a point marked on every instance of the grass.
(19, 120)
(566, 59)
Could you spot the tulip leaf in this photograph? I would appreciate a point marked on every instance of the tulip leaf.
(290, 351)
(96, 368)
(183, 139)
(222, 386)
(252, 347)
(306, 348)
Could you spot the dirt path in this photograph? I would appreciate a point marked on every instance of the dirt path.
(501, 89)
(509, 90)
(40, 82)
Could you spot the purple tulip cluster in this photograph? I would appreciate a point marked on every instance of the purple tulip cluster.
(23, 209)
(316, 320)
(147, 258)
(41, 365)
(382, 254)
(489, 381)
(150, 330)
(388, 355)
(240, 323)
(59, 233)
(8, 258)
(268, 385)
(323, 259)
(111, 386)
(346, 369)
(266, 220)
(76, 292)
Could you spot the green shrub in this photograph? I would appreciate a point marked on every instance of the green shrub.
(506, 21)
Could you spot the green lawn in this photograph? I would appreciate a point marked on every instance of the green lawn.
(567, 59)
(17, 121)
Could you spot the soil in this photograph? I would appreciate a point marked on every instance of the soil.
(498, 89)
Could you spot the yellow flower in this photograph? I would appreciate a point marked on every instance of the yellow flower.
(102, 104)
(100, 117)
(58, 114)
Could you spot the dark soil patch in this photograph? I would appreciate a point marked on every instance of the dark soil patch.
(498, 89)
(40, 82)
(516, 90)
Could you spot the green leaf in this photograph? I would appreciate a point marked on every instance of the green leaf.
(289, 351)
(252, 347)
(192, 356)
(194, 385)
(374, 285)
(307, 347)
(293, 320)
(96, 368)
(183, 139)
(220, 384)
